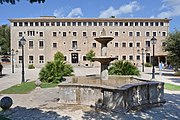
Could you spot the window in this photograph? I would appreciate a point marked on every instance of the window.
(31, 59)
(54, 45)
(84, 58)
(136, 23)
(116, 34)
(94, 34)
(84, 34)
(130, 44)
(63, 23)
(124, 44)
(105, 23)
(31, 33)
(20, 34)
(94, 45)
(124, 57)
(74, 45)
(115, 23)
(65, 58)
(120, 23)
(41, 59)
(52, 23)
(19, 44)
(110, 23)
(58, 23)
(25, 23)
(116, 45)
(137, 44)
(54, 34)
(42, 23)
(74, 33)
(79, 23)
(20, 24)
(15, 23)
(47, 23)
(95, 23)
(141, 23)
(30, 44)
(163, 34)
(157, 23)
(41, 44)
(20, 59)
(146, 24)
(84, 24)
(130, 34)
(126, 23)
(131, 23)
(100, 23)
(147, 43)
(161, 23)
(137, 33)
(130, 57)
(147, 34)
(151, 23)
(89, 23)
(138, 57)
(41, 34)
(154, 33)
(64, 34)
(74, 23)
(31, 23)
(36, 23)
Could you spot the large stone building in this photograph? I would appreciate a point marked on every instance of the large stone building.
(74, 37)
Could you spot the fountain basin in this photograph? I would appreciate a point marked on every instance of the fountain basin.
(104, 39)
(105, 60)
(120, 94)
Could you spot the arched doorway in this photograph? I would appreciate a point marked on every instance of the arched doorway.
(74, 57)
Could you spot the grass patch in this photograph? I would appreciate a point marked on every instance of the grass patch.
(172, 87)
(25, 88)
(48, 85)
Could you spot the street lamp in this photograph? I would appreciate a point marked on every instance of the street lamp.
(153, 42)
(23, 42)
(142, 50)
(12, 58)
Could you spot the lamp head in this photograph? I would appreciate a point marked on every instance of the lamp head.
(23, 41)
(153, 40)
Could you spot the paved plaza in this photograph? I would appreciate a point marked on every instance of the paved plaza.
(42, 104)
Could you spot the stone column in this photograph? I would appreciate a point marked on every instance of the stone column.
(104, 49)
(104, 71)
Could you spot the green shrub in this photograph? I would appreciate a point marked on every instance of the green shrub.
(31, 66)
(148, 65)
(123, 68)
(177, 73)
(54, 71)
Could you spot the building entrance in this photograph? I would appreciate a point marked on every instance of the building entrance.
(74, 57)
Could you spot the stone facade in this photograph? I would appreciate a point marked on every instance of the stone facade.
(74, 37)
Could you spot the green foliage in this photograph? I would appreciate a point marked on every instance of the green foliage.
(123, 68)
(172, 46)
(4, 39)
(31, 66)
(148, 65)
(14, 1)
(90, 55)
(54, 71)
(48, 85)
(172, 87)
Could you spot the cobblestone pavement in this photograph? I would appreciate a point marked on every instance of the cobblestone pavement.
(42, 104)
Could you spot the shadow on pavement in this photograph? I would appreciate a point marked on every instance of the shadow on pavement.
(169, 111)
(3, 75)
(175, 79)
(22, 113)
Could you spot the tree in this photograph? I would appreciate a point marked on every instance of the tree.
(123, 68)
(90, 55)
(172, 46)
(14, 1)
(54, 71)
(4, 39)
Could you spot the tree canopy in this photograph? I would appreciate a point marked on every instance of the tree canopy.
(90, 55)
(14, 1)
(172, 46)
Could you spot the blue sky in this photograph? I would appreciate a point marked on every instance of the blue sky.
(95, 9)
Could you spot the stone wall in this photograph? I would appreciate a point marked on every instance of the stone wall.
(122, 98)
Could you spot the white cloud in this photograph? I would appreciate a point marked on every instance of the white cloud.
(76, 12)
(125, 9)
(170, 8)
(62, 12)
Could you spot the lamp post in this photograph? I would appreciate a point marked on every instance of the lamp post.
(153, 42)
(12, 58)
(142, 50)
(23, 42)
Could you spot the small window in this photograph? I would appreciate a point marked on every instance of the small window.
(100, 23)
(146, 24)
(105, 23)
(84, 24)
(89, 23)
(123, 44)
(137, 44)
(31, 59)
(20, 34)
(116, 33)
(20, 24)
(20, 59)
(42, 23)
(157, 23)
(41, 59)
(79, 23)
(94, 45)
(74, 33)
(65, 58)
(130, 44)
(115, 23)
(120, 23)
(58, 23)
(41, 34)
(64, 34)
(130, 57)
(163, 34)
(84, 34)
(124, 57)
(147, 43)
(25, 23)
(47, 23)
(95, 23)
(30, 44)
(151, 23)
(131, 23)
(116, 45)
(36, 23)
(74, 23)
(126, 23)
(137, 33)
(147, 34)
(136, 23)
(130, 34)
(54, 34)
(138, 57)
(154, 33)
(63, 23)
(52, 23)
(41, 44)
(110, 23)
(84, 58)
(54, 45)
(141, 23)
(94, 34)
(161, 23)
(15, 23)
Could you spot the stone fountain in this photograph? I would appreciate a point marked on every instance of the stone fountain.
(104, 59)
